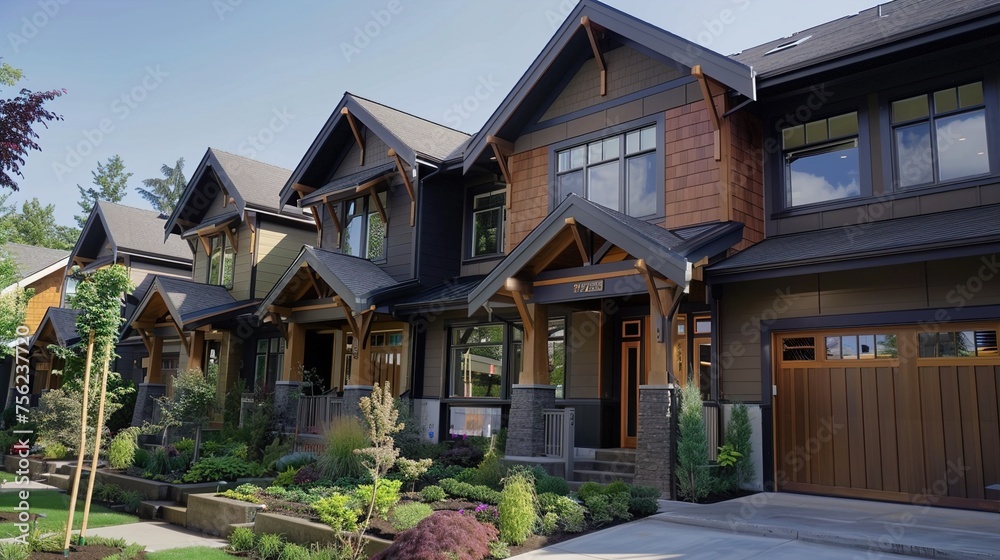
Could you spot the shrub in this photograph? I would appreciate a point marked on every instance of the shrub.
(339, 458)
(551, 484)
(279, 492)
(184, 445)
(445, 534)
(269, 546)
(211, 469)
(490, 471)
(469, 491)
(241, 539)
(407, 516)
(499, 550)
(642, 500)
(386, 496)
(294, 460)
(605, 508)
(408, 439)
(292, 551)
(570, 513)
(738, 434)
(548, 524)
(337, 511)
(13, 551)
(241, 496)
(55, 451)
(437, 471)
(518, 514)
(286, 477)
(616, 487)
(463, 453)
(306, 475)
(693, 479)
(588, 489)
(432, 493)
(121, 451)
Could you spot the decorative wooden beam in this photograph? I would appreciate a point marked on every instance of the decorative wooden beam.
(407, 184)
(578, 237)
(502, 149)
(276, 319)
(367, 318)
(592, 30)
(356, 130)
(713, 111)
(250, 219)
(352, 323)
(233, 240)
(146, 341)
(317, 220)
(314, 282)
(333, 215)
(180, 333)
(380, 207)
(722, 149)
(204, 243)
(647, 275)
(303, 189)
(518, 289)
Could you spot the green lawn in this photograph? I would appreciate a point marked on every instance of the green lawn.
(6, 477)
(190, 553)
(55, 505)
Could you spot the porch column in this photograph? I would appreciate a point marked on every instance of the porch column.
(154, 373)
(654, 438)
(286, 389)
(153, 386)
(360, 384)
(196, 349)
(533, 393)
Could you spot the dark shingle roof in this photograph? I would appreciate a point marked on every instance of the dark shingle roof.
(360, 276)
(349, 182)
(63, 322)
(901, 235)
(867, 29)
(31, 259)
(141, 230)
(191, 298)
(424, 136)
(455, 290)
(257, 182)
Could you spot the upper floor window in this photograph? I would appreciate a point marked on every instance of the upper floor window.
(220, 261)
(364, 230)
(619, 172)
(821, 160)
(487, 223)
(940, 136)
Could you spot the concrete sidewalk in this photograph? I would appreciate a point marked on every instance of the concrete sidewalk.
(158, 535)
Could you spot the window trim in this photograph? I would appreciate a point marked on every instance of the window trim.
(657, 120)
(224, 245)
(367, 211)
(469, 222)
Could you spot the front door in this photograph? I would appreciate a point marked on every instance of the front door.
(630, 363)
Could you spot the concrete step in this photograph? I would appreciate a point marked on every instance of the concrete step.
(606, 466)
(151, 509)
(615, 455)
(233, 526)
(60, 481)
(175, 515)
(602, 477)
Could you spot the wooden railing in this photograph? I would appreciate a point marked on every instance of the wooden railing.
(316, 413)
(560, 434)
(712, 414)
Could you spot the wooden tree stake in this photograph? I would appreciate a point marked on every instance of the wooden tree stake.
(97, 442)
(83, 446)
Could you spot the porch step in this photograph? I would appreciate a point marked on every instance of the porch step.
(615, 455)
(60, 481)
(606, 466)
(152, 509)
(603, 477)
(174, 514)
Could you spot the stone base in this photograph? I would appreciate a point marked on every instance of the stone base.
(286, 402)
(352, 400)
(654, 458)
(146, 406)
(526, 428)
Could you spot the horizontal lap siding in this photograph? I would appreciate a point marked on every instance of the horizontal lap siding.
(243, 267)
(277, 247)
(399, 237)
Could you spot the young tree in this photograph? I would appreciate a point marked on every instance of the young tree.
(111, 180)
(18, 116)
(36, 225)
(164, 193)
(693, 478)
(194, 402)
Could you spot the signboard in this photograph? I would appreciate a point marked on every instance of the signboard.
(589, 286)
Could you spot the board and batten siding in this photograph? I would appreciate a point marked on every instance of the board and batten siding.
(583, 348)
(435, 360)
(277, 247)
(376, 154)
(931, 285)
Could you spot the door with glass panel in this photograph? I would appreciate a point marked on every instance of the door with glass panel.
(630, 363)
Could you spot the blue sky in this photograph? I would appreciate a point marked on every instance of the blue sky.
(155, 81)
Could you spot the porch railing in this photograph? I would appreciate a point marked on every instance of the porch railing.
(316, 413)
(711, 413)
(560, 434)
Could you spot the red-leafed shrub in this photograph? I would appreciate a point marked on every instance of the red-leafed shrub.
(446, 534)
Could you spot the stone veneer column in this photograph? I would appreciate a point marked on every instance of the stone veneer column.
(525, 426)
(352, 400)
(145, 402)
(286, 402)
(653, 454)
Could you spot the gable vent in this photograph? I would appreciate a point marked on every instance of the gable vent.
(788, 45)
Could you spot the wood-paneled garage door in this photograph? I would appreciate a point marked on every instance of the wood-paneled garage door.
(891, 413)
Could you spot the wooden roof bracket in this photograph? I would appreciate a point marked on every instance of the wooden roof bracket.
(275, 318)
(502, 149)
(204, 243)
(356, 130)
(333, 215)
(406, 183)
(180, 333)
(713, 111)
(578, 238)
(654, 296)
(518, 290)
(592, 30)
(146, 340)
(303, 189)
(317, 220)
(378, 201)
(233, 240)
(250, 219)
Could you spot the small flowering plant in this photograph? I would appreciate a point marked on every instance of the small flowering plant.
(484, 513)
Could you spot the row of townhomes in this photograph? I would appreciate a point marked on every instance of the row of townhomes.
(810, 226)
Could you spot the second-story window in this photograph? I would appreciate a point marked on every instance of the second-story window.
(487, 223)
(220, 261)
(364, 230)
(821, 160)
(940, 136)
(618, 172)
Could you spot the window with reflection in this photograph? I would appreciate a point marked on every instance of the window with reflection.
(961, 344)
(557, 353)
(477, 361)
(487, 223)
(364, 231)
(220, 261)
(821, 160)
(618, 172)
(940, 136)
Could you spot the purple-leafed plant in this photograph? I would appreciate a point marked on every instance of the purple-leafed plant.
(446, 534)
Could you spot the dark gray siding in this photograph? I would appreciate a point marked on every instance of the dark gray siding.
(441, 215)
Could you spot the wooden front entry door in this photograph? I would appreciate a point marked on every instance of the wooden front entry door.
(631, 360)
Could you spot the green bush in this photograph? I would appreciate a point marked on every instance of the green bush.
(241, 539)
(433, 493)
(184, 445)
(319, 551)
(437, 471)
(279, 492)
(292, 551)
(469, 491)
(121, 451)
(269, 546)
(385, 497)
(13, 551)
(275, 451)
(338, 511)
(407, 516)
(211, 469)
(693, 479)
(128, 552)
(588, 489)
(570, 514)
(607, 507)
(55, 451)
(346, 434)
(738, 434)
(642, 500)
(286, 477)
(551, 484)
(616, 487)
(548, 524)
(490, 472)
(518, 514)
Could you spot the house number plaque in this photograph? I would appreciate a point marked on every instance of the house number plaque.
(591, 286)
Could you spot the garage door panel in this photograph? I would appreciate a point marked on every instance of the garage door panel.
(909, 427)
(887, 416)
(872, 429)
(968, 413)
(951, 428)
(841, 445)
(800, 468)
(934, 451)
(821, 413)
(856, 427)
(987, 381)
